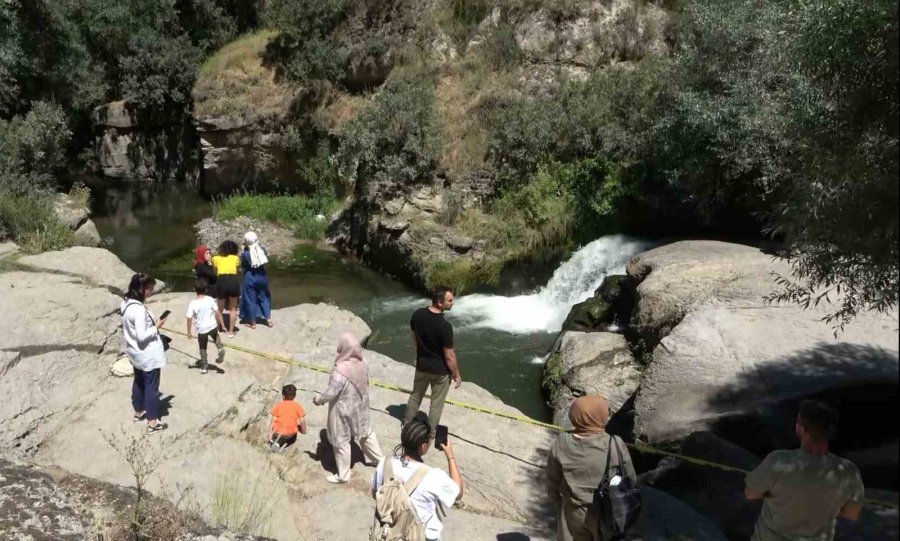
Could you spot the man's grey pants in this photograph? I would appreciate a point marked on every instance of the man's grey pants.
(440, 386)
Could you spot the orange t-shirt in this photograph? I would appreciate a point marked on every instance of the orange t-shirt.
(287, 416)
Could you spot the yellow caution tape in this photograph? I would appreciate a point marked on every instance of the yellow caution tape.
(640, 447)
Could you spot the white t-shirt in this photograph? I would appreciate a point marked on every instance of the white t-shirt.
(435, 487)
(203, 310)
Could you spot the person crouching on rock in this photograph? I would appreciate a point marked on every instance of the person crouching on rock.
(431, 490)
(347, 397)
(256, 299)
(202, 314)
(228, 285)
(144, 349)
(288, 418)
(577, 465)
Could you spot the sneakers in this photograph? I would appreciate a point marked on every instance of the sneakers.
(203, 371)
(333, 478)
(158, 427)
(220, 357)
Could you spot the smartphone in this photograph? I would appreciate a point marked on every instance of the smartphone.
(165, 314)
(440, 437)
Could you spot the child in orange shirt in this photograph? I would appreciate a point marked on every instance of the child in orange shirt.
(287, 417)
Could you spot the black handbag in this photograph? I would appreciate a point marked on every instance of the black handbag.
(165, 341)
(619, 505)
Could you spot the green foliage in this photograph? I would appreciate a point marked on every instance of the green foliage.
(500, 49)
(463, 274)
(293, 211)
(790, 110)
(159, 75)
(306, 49)
(32, 148)
(29, 220)
(552, 380)
(395, 139)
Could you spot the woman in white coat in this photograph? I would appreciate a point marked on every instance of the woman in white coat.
(347, 397)
(144, 349)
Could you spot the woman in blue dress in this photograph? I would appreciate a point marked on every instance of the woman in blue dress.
(256, 300)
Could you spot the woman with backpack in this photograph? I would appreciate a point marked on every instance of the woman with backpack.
(347, 396)
(579, 462)
(145, 350)
(415, 496)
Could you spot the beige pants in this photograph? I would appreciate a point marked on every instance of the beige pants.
(577, 523)
(370, 448)
(440, 387)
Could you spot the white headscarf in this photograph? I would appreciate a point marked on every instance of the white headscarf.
(257, 254)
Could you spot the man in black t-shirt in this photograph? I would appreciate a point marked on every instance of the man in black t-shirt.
(435, 357)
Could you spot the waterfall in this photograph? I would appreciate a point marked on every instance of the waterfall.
(545, 310)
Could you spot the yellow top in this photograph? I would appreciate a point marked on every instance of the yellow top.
(226, 264)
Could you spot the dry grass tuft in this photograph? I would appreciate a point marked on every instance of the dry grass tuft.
(234, 81)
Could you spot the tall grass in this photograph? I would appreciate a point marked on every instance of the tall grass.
(240, 54)
(29, 220)
(242, 503)
(296, 212)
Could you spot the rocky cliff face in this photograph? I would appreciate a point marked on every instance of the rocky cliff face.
(144, 147)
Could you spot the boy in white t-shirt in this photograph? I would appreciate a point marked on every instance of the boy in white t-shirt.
(203, 314)
(437, 491)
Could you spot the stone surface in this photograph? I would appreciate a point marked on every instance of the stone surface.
(69, 211)
(591, 363)
(460, 244)
(717, 494)
(116, 114)
(394, 227)
(87, 234)
(96, 266)
(725, 358)
(8, 249)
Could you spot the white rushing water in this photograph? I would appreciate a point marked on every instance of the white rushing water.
(545, 310)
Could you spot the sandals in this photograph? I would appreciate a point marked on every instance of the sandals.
(138, 417)
(269, 323)
(158, 427)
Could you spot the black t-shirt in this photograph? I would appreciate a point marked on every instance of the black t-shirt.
(433, 334)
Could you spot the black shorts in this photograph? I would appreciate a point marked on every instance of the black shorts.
(228, 286)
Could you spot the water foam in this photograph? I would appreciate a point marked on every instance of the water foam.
(545, 310)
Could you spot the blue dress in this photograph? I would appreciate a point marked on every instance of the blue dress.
(256, 300)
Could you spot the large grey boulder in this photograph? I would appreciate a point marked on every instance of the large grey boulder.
(71, 212)
(590, 363)
(56, 346)
(723, 358)
(96, 266)
(87, 234)
(717, 494)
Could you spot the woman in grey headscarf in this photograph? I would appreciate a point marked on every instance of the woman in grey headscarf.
(256, 300)
(347, 397)
(577, 464)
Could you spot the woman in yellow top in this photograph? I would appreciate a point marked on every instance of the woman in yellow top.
(228, 283)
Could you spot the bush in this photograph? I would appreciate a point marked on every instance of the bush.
(305, 49)
(30, 221)
(395, 140)
(463, 274)
(293, 211)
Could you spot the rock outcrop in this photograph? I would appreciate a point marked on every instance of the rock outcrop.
(590, 363)
(73, 213)
(95, 266)
(725, 360)
(145, 147)
(609, 308)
